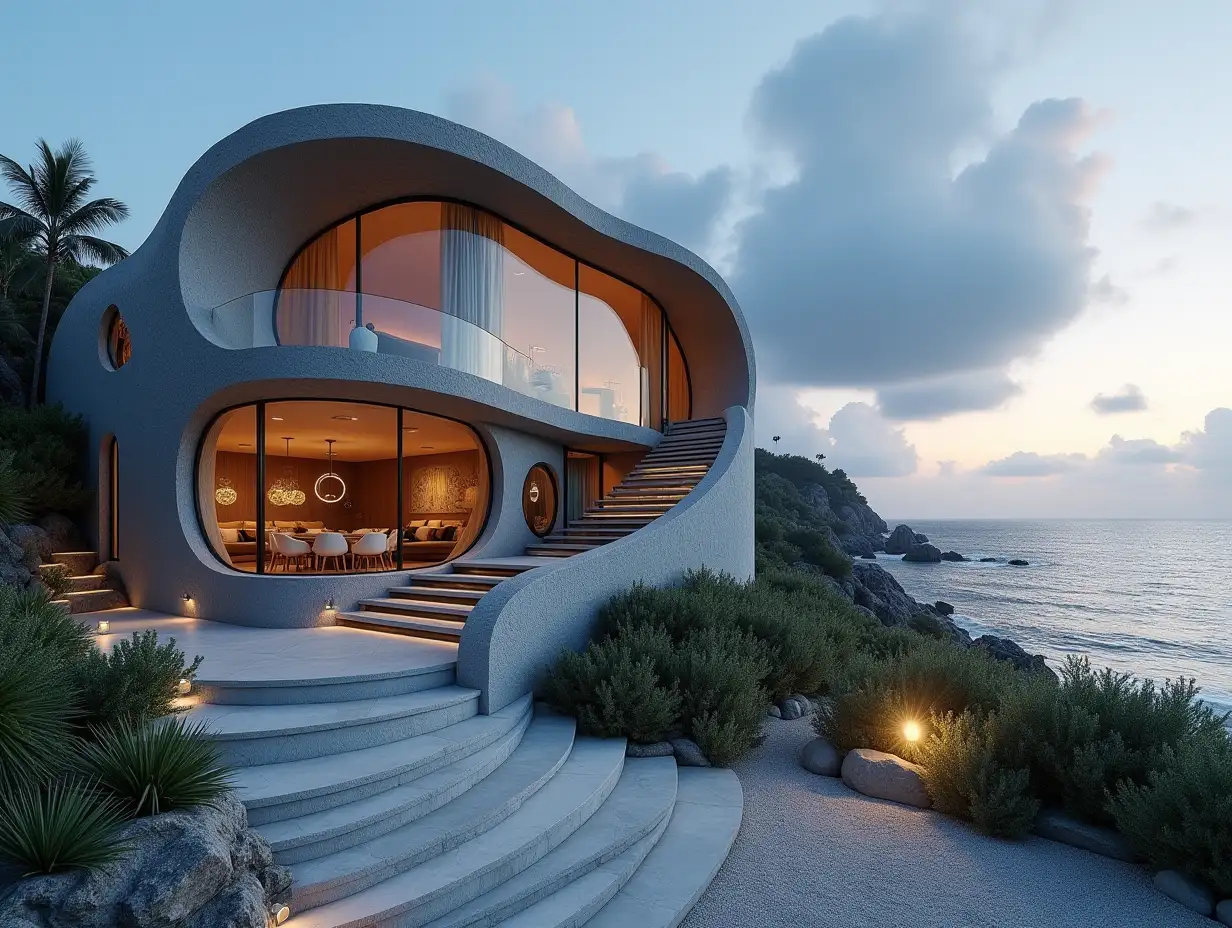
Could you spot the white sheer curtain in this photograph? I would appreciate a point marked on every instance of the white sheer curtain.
(472, 295)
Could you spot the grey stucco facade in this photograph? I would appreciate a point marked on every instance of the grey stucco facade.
(234, 222)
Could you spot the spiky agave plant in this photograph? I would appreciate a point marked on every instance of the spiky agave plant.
(14, 493)
(167, 764)
(61, 827)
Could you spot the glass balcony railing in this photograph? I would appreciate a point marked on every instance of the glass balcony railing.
(327, 318)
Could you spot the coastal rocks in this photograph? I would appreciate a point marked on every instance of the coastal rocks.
(1188, 893)
(868, 557)
(921, 538)
(1057, 826)
(952, 556)
(923, 554)
(655, 749)
(854, 545)
(901, 540)
(988, 560)
(943, 607)
(192, 869)
(688, 754)
(877, 590)
(885, 776)
(1018, 562)
(821, 757)
(1004, 649)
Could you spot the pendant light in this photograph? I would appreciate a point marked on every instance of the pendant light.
(330, 488)
(285, 490)
(225, 495)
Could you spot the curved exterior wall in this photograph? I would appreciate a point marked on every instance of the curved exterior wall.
(237, 218)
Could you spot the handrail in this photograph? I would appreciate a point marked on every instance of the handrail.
(325, 317)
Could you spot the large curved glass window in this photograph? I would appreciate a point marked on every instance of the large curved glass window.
(451, 284)
(321, 477)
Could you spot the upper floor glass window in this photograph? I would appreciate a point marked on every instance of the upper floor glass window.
(450, 284)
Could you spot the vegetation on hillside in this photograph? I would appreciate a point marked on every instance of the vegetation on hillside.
(790, 527)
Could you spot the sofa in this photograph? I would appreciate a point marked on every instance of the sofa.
(240, 551)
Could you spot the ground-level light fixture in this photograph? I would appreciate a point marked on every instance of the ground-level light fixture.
(329, 605)
(184, 687)
(187, 597)
(279, 913)
(911, 730)
(104, 626)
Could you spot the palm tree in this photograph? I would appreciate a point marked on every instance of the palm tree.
(54, 214)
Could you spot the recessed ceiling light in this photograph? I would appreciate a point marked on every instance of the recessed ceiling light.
(276, 418)
(428, 447)
(409, 428)
(347, 418)
(245, 444)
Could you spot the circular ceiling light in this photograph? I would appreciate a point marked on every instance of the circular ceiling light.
(330, 488)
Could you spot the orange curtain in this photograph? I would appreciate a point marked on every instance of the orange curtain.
(679, 398)
(310, 307)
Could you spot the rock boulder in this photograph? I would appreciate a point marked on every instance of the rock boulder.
(62, 532)
(988, 560)
(1223, 913)
(1057, 826)
(1005, 649)
(943, 607)
(923, 554)
(885, 776)
(821, 757)
(1187, 892)
(656, 749)
(688, 754)
(1018, 562)
(952, 556)
(901, 540)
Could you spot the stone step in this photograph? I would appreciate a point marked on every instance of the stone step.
(276, 792)
(574, 904)
(701, 447)
(95, 601)
(680, 456)
(86, 583)
(453, 580)
(253, 735)
(659, 483)
(637, 809)
(406, 605)
(648, 496)
(637, 501)
(333, 830)
(436, 669)
(502, 568)
(615, 519)
(494, 831)
(414, 626)
(441, 594)
(704, 823)
(558, 549)
(689, 425)
(77, 562)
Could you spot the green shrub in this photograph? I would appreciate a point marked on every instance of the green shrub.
(66, 826)
(14, 493)
(157, 767)
(966, 775)
(47, 447)
(56, 578)
(30, 622)
(615, 688)
(36, 710)
(1182, 817)
(138, 680)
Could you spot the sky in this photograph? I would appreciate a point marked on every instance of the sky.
(983, 247)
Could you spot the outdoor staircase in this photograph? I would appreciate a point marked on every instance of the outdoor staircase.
(86, 592)
(394, 803)
(435, 604)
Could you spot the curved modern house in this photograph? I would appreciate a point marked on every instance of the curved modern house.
(373, 369)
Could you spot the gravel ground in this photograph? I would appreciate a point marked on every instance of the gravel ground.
(813, 853)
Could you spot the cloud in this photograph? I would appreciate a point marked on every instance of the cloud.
(1168, 217)
(1138, 451)
(640, 188)
(877, 264)
(1129, 399)
(865, 445)
(1210, 448)
(937, 397)
(1030, 464)
(1105, 291)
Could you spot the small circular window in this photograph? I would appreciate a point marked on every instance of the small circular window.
(119, 343)
(539, 499)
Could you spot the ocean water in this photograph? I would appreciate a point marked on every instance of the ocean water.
(1153, 598)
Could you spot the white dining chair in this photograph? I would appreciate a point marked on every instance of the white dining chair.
(289, 549)
(369, 546)
(329, 545)
(391, 547)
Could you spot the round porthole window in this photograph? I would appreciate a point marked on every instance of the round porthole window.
(539, 499)
(116, 338)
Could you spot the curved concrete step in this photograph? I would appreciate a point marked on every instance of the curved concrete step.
(410, 606)
(641, 803)
(331, 830)
(704, 823)
(274, 792)
(443, 594)
(252, 735)
(280, 692)
(452, 580)
(434, 865)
